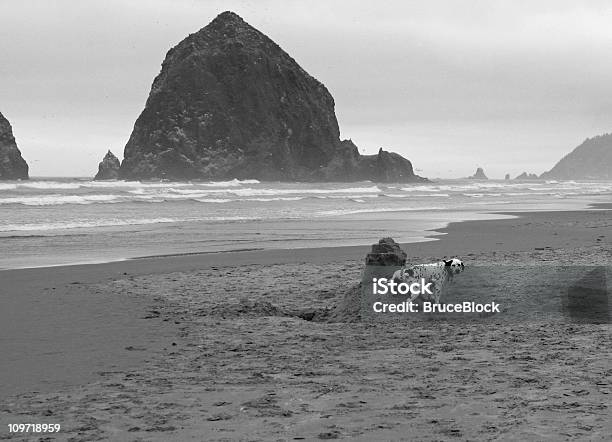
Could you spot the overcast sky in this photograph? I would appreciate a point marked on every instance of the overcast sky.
(452, 85)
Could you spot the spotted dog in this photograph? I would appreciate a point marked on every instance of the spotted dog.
(438, 273)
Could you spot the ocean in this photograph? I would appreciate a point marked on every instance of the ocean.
(55, 221)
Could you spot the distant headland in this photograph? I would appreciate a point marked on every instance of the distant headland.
(591, 160)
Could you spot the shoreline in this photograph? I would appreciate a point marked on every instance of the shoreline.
(410, 230)
(244, 255)
(105, 246)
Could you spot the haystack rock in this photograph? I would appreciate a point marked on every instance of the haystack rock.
(108, 169)
(386, 253)
(527, 176)
(230, 103)
(12, 165)
(591, 160)
(479, 175)
(507, 177)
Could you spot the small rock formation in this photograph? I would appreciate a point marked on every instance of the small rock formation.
(12, 165)
(230, 103)
(527, 176)
(479, 175)
(507, 177)
(354, 297)
(386, 253)
(591, 160)
(386, 167)
(108, 169)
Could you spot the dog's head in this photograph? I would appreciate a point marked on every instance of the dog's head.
(454, 265)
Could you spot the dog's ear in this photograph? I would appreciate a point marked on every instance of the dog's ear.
(447, 262)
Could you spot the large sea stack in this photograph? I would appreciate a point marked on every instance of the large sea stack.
(12, 165)
(591, 160)
(230, 103)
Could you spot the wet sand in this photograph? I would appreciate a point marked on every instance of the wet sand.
(213, 347)
(56, 332)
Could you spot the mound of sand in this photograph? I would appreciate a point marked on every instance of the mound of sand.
(348, 307)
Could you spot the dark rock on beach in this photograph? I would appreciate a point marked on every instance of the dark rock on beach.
(386, 253)
(591, 160)
(12, 165)
(384, 257)
(230, 103)
(479, 175)
(108, 169)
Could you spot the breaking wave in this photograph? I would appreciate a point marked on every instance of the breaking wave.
(77, 184)
(55, 199)
(84, 224)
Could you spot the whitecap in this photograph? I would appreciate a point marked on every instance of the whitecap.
(49, 185)
(82, 224)
(233, 183)
(263, 192)
(55, 199)
(420, 189)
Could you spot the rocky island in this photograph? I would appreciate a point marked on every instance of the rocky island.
(12, 165)
(230, 103)
(108, 169)
(591, 160)
(479, 175)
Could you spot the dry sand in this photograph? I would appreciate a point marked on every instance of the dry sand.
(224, 351)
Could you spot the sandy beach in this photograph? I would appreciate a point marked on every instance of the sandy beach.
(231, 346)
(219, 221)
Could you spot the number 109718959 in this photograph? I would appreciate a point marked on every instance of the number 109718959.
(34, 428)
